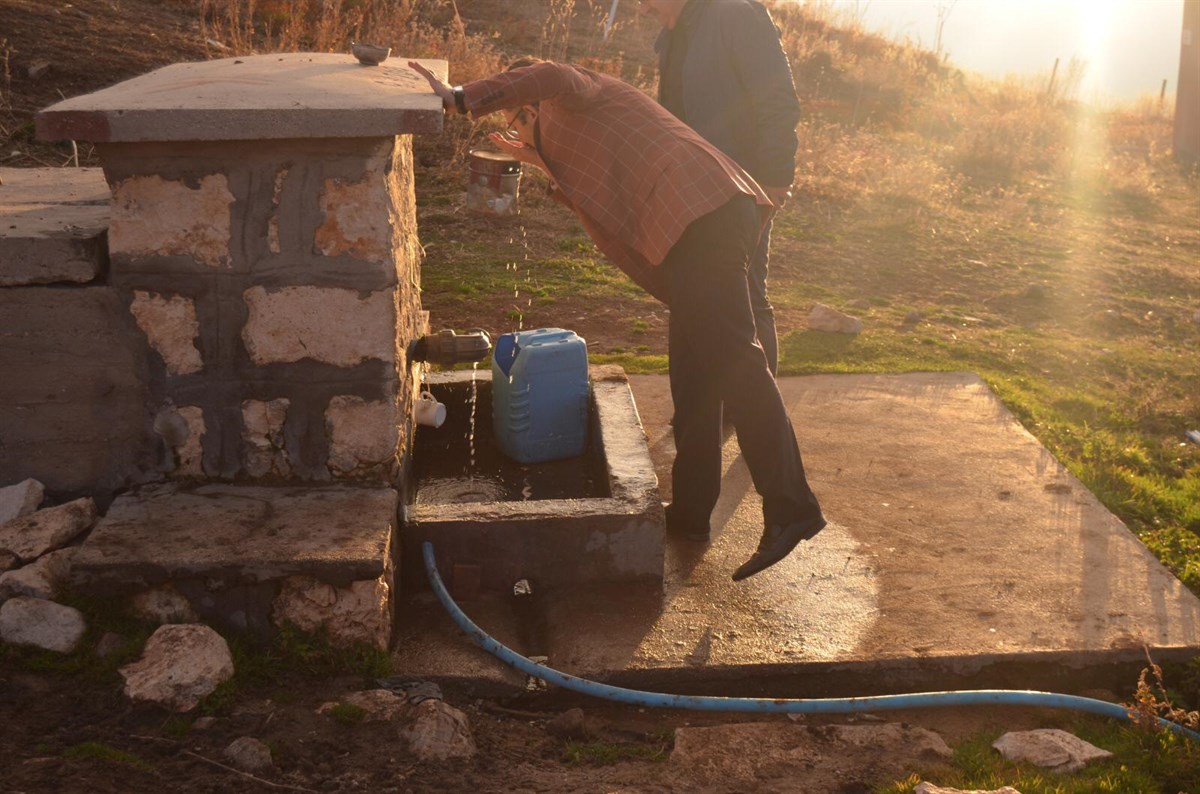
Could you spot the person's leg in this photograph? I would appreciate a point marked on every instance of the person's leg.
(764, 313)
(715, 356)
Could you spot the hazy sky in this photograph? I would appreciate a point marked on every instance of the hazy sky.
(1129, 45)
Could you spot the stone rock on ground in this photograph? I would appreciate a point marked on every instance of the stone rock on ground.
(249, 755)
(929, 788)
(163, 605)
(46, 530)
(42, 624)
(20, 500)
(772, 756)
(358, 613)
(180, 666)
(378, 705)
(824, 318)
(439, 731)
(8, 561)
(568, 725)
(43, 578)
(1049, 748)
(108, 644)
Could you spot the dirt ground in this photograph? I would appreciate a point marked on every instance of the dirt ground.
(49, 722)
(47, 717)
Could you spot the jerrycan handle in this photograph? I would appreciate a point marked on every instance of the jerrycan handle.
(505, 352)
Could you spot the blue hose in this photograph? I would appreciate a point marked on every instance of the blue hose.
(1007, 697)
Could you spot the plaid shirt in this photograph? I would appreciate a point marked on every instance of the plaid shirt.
(635, 174)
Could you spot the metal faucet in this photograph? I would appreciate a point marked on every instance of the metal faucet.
(447, 347)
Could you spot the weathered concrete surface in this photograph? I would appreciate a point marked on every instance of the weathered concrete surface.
(237, 553)
(557, 542)
(52, 225)
(74, 392)
(236, 534)
(959, 554)
(254, 97)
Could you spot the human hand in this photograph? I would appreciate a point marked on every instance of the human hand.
(516, 149)
(778, 195)
(441, 89)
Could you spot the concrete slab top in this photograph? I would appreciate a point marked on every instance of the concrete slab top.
(239, 534)
(20, 187)
(959, 553)
(52, 222)
(254, 97)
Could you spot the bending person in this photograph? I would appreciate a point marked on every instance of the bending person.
(682, 219)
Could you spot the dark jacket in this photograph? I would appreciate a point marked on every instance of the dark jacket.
(737, 86)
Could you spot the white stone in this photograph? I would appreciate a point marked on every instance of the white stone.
(823, 318)
(358, 613)
(357, 220)
(180, 666)
(325, 324)
(162, 605)
(249, 755)
(20, 500)
(43, 578)
(378, 705)
(262, 432)
(152, 216)
(439, 731)
(191, 453)
(361, 434)
(46, 530)
(42, 624)
(1049, 748)
(929, 788)
(170, 324)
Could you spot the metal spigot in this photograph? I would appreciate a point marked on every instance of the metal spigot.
(447, 347)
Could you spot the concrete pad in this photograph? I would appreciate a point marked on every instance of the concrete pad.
(238, 535)
(959, 554)
(52, 225)
(254, 97)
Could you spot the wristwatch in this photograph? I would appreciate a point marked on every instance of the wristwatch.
(460, 99)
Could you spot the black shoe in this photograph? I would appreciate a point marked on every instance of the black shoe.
(697, 533)
(777, 542)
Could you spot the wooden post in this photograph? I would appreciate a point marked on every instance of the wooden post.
(1187, 90)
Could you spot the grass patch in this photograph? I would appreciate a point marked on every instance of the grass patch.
(293, 652)
(348, 713)
(98, 751)
(608, 753)
(1141, 763)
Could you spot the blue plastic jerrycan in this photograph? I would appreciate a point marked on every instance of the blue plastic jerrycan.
(540, 394)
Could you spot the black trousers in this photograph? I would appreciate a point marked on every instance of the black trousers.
(715, 358)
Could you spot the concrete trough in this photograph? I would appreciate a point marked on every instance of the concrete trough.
(591, 529)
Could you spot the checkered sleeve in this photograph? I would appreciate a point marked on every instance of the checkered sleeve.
(526, 85)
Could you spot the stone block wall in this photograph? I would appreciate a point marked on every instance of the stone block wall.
(277, 285)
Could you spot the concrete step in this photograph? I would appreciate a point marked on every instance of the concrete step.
(53, 225)
(236, 552)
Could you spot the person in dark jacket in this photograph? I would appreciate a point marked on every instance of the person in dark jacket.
(723, 72)
(682, 219)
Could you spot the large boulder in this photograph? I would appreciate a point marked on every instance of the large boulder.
(181, 665)
(20, 500)
(46, 530)
(42, 624)
(43, 578)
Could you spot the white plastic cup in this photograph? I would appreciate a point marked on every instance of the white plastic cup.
(428, 411)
